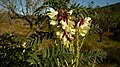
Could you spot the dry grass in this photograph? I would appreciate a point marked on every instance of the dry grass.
(17, 28)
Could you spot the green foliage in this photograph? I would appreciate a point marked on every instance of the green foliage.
(8, 39)
(92, 57)
(48, 56)
(106, 18)
(11, 51)
(45, 56)
(58, 4)
(53, 56)
(80, 12)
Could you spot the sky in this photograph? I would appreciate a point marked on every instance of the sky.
(97, 2)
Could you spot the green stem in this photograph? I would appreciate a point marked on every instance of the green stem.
(77, 49)
(82, 43)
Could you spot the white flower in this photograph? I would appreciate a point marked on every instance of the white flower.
(86, 24)
(52, 13)
(83, 29)
(68, 28)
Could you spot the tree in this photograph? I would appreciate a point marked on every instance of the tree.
(22, 9)
(107, 19)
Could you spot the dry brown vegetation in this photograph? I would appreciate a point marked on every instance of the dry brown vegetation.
(17, 28)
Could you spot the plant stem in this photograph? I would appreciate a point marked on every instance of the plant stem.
(77, 49)
(82, 43)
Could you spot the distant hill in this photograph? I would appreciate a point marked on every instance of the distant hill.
(112, 9)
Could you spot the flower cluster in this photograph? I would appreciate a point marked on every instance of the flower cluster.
(62, 20)
(83, 26)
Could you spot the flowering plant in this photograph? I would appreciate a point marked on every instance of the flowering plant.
(67, 30)
(66, 27)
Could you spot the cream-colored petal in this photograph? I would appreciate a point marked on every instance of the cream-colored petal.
(82, 26)
(51, 10)
(52, 14)
(67, 28)
(63, 23)
(61, 35)
(70, 12)
(71, 23)
(73, 31)
(87, 19)
(53, 22)
(82, 34)
(70, 36)
(64, 27)
(85, 25)
(64, 39)
(78, 24)
(57, 33)
(85, 31)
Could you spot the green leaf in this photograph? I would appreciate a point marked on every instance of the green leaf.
(57, 51)
(55, 60)
(48, 52)
(43, 54)
(40, 65)
(34, 56)
(53, 50)
(61, 60)
(61, 49)
(51, 62)
(31, 61)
